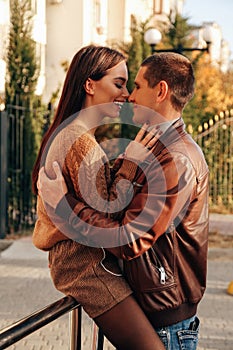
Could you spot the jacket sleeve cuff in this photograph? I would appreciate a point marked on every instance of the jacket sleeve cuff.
(129, 169)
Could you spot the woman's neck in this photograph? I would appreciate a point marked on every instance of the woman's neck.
(90, 119)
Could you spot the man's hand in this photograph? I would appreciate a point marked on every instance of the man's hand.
(51, 190)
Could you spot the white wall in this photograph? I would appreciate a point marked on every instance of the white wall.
(39, 35)
(64, 38)
(4, 27)
(71, 24)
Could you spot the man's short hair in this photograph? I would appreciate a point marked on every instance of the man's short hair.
(176, 70)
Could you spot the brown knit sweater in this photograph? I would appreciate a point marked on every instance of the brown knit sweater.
(86, 170)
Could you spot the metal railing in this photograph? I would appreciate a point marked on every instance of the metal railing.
(215, 137)
(21, 130)
(22, 328)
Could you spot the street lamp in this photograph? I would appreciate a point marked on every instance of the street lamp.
(153, 37)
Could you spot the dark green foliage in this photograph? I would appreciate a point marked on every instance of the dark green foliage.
(178, 33)
(137, 51)
(25, 122)
(22, 67)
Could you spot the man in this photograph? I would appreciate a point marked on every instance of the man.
(162, 236)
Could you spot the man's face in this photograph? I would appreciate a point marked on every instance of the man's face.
(143, 97)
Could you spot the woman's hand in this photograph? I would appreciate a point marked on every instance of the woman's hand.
(51, 190)
(142, 146)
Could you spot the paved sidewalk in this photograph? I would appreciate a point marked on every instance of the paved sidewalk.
(221, 223)
(26, 287)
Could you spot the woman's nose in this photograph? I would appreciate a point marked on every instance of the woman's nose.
(125, 93)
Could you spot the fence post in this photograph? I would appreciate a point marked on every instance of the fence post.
(3, 173)
(76, 329)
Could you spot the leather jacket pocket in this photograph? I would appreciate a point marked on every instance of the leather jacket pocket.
(152, 281)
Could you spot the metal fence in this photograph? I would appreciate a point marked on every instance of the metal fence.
(216, 140)
(3, 173)
(20, 130)
(20, 203)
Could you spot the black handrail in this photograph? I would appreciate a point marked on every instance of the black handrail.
(41, 318)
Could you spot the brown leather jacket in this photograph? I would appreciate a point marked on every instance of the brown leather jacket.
(165, 227)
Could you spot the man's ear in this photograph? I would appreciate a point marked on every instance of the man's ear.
(89, 86)
(162, 90)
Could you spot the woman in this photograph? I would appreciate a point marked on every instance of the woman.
(95, 86)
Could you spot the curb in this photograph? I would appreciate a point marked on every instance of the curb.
(5, 243)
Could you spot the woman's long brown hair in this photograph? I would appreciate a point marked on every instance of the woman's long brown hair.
(89, 62)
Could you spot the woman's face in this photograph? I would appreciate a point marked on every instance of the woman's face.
(110, 92)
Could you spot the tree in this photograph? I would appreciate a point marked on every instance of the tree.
(22, 66)
(21, 80)
(137, 50)
(177, 34)
(213, 93)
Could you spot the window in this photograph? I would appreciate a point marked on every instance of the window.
(98, 17)
(97, 13)
(158, 6)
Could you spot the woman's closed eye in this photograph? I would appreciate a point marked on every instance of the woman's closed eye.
(119, 85)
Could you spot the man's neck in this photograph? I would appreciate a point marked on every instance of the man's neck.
(166, 113)
(163, 126)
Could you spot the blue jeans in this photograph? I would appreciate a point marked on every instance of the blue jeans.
(180, 336)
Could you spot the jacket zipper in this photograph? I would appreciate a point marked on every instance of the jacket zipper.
(162, 274)
(160, 268)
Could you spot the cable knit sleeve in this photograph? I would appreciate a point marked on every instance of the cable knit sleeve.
(88, 168)
(82, 163)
